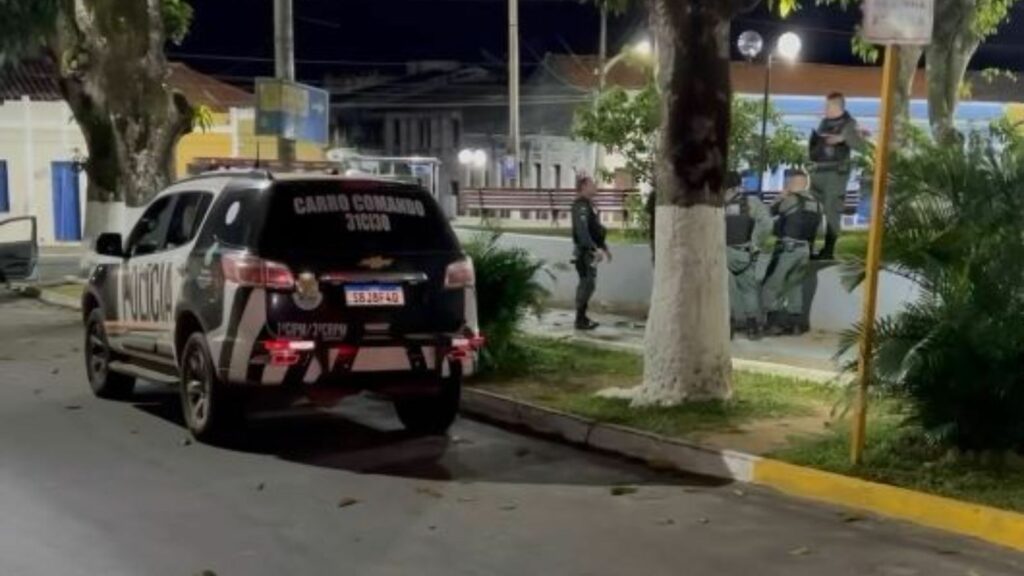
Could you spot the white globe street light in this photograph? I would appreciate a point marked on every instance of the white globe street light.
(750, 44)
(788, 46)
(465, 157)
(479, 158)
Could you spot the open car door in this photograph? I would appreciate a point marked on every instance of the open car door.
(19, 249)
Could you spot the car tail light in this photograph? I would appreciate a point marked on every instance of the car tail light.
(463, 347)
(286, 352)
(460, 274)
(248, 270)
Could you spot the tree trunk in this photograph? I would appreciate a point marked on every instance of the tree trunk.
(910, 59)
(954, 43)
(687, 355)
(113, 74)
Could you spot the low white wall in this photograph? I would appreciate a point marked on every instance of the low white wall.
(624, 285)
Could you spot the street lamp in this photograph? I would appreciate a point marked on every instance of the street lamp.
(787, 47)
(472, 160)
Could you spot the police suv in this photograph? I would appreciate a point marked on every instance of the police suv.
(245, 287)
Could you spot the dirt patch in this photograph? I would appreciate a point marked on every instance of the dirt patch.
(768, 435)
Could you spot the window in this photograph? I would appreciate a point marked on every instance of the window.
(557, 169)
(456, 133)
(425, 133)
(538, 176)
(231, 221)
(188, 215)
(149, 234)
(5, 198)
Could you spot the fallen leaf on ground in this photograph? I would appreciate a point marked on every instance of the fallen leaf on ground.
(850, 517)
(801, 551)
(207, 573)
(260, 487)
(739, 493)
(460, 440)
(427, 491)
(467, 499)
(622, 490)
(186, 441)
(522, 451)
(73, 407)
(37, 391)
(346, 502)
(667, 522)
(704, 520)
(55, 371)
(509, 507)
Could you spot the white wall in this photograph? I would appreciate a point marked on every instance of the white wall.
(624, 285)
(32, 136)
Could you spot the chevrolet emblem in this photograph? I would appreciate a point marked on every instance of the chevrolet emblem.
(377, 263)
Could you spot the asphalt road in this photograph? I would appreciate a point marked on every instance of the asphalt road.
(90, 487)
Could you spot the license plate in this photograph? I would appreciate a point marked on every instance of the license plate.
(374, 295)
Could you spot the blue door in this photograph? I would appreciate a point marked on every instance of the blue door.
(67, 216)
(5, 197)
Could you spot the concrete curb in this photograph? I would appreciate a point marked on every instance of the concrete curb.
(992, 525)
(656, 450)
(742, 364)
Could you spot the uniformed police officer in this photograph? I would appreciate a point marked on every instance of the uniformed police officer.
(831, 147)
(588, 236)
(747, 226)
(799, 216)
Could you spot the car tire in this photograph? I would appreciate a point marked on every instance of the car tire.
(432, 415)
(98, 356)
(212, 412)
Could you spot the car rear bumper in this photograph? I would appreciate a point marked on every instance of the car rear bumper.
(368, 365)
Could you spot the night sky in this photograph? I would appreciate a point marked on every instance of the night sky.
(361, 36)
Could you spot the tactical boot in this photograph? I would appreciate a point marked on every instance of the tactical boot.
(797, 326)
(778, 324)
(828, 251)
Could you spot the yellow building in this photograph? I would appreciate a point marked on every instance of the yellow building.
(41, 146)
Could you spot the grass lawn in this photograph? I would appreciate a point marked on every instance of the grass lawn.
(69, 290)
(782, 418)
(565, 376)
(852, 243)
(901, 456)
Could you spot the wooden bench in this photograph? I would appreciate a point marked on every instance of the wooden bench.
(539, 204)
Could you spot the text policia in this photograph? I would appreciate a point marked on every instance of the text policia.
(363, 212)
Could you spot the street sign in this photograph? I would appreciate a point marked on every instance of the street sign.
(898, 21)
(291, 111)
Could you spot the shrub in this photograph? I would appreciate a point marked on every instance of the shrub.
(953, 226)
(507, 290)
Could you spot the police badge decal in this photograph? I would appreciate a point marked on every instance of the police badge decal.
(307, 294)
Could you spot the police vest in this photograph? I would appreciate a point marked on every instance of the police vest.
(739, 224)
(821, 151)
(800, 222)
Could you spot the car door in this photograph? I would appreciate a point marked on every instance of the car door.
(186, 219)
(145, 292)
(19, 249)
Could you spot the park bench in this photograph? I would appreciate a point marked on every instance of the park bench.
(540, 205)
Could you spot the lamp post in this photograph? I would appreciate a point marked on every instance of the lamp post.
(473, 160)
(787, 46)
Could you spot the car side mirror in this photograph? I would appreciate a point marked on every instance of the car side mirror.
(110, 244)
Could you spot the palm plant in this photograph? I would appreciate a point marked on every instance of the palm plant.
(507, 289)
(954, 227)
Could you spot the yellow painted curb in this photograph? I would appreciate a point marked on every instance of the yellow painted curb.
(989, 524)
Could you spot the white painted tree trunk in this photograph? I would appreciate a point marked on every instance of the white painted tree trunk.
(687, 356)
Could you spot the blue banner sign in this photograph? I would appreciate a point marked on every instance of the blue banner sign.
(292, 111)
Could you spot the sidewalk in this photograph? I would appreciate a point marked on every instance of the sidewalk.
(811, 354)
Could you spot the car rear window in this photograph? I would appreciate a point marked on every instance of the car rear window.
(338, 220)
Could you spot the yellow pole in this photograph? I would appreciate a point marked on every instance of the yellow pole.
(877, 229)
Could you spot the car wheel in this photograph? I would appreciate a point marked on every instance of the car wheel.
(432, 414)
(98, 356)
(211, 411)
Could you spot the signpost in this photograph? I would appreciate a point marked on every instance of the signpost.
(888, 22)
(291, 111)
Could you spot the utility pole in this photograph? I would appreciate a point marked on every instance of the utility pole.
(513, 89)
(284, 66)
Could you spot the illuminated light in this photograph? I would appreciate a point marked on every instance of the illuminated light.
(644, 48)
(460, 274)
(788, 46)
